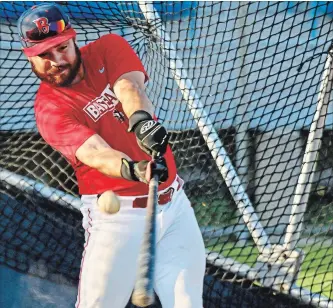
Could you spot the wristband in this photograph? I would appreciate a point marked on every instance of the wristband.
(137, 117)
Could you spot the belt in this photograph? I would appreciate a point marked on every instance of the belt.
(163, 198)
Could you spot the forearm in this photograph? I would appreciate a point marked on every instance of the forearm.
(151, 136)
(131, 94)
(97, 154)
(108, 162)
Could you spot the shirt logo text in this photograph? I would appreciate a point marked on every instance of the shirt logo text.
(102, 104)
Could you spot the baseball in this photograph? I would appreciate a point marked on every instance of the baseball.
(108, 202)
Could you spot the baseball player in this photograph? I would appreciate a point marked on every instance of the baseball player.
(91, 106)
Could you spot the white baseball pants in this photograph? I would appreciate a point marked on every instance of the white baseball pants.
(112, 244)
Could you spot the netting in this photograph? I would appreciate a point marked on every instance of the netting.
(258, 69)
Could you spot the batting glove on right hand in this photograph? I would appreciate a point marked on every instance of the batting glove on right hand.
(144, 170)
(151, 136)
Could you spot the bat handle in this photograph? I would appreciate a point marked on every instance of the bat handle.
(154, 182)
(155, 172)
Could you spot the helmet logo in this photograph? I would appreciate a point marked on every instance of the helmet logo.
(42, 24)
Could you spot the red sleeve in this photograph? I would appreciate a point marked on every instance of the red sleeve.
(119, 57)
(61, 130)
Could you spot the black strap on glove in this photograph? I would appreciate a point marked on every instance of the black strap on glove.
(143, 170)
(151, 136)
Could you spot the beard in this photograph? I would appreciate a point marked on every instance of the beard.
(61, 76)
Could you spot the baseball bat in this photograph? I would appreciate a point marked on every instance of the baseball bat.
(143, 294)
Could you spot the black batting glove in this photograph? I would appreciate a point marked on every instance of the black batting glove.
(144, 170)
(151, 136)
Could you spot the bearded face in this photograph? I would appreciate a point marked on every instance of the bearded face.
(59, 65)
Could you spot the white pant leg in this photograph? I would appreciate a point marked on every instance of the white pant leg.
(180, 258)
(109, 259)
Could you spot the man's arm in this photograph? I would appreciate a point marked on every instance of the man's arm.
(130, 90)
(96, 153)
(151, 136)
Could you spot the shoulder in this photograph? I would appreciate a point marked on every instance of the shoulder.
(112, 38)
(48, 100)
(107, 43)
(45, 95)
(112, 43)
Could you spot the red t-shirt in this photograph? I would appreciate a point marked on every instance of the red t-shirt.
(67, 116)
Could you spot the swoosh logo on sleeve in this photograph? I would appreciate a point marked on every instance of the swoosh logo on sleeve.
(101, 70)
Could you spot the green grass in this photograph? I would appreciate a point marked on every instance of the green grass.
(215, 212)
(316, 272)
(246, 255)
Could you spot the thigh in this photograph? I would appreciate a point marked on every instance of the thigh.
(109, 259)
(180, 261)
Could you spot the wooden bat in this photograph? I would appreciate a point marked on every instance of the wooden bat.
(143, 294)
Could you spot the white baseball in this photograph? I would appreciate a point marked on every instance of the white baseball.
(108, 202)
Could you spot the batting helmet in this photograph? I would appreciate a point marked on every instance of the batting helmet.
(44, 26)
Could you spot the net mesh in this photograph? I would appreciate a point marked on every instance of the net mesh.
(249, 64)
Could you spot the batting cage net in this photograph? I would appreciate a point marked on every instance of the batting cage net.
(245, 90)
